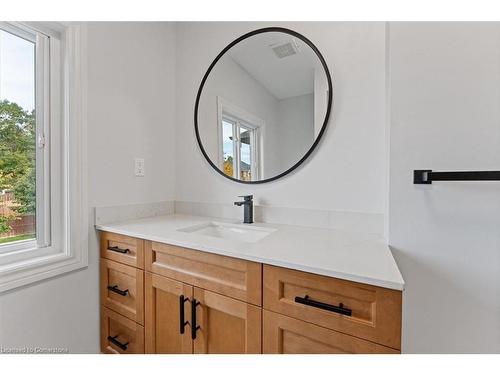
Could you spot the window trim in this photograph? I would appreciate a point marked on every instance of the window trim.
(68, 249)
(255, 157)
(237, 115)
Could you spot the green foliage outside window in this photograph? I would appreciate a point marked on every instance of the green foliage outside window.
(17, 160)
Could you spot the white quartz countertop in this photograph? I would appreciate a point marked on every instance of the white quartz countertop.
(357, 257)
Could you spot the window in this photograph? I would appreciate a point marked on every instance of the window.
(239, 145)
(21, 124)
(41, 173)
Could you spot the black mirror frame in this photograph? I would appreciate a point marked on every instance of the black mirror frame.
(325, 122)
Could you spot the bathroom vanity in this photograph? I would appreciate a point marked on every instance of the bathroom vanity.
(187, 284)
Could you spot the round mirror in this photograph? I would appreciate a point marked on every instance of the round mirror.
(263, 105)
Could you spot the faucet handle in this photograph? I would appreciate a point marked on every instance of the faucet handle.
(246, 197)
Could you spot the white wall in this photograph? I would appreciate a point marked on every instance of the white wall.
(295, 129)
(131, 112)
(320, 98)
(348, 171)
(445, 115)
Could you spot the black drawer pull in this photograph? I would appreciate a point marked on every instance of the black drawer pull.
(340, 309)
(116, 249)
(182, 323)
(113, 340)
(115, 289)
(194, 327)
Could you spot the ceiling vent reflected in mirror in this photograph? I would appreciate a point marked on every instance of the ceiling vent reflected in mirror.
(286, 49)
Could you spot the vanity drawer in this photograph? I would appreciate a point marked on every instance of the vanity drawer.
(376, 312)
(231, 277)
(122, 249)
(122, 289)
(120, 335)
(285, 335)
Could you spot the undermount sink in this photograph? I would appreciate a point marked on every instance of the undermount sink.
(235, 232)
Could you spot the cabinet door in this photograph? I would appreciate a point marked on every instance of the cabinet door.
(166, 299)
(285, 335)
(226, 325)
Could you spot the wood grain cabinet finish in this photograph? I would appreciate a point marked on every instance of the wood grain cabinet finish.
(285, 335)
(122, 289)
(122, 294)
(376, 312)
(231, 277)
(164, 297)
(239, 306)
(122, 249)
(120, 335)
(227, 326)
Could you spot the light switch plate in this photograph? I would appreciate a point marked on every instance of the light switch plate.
(139, 167)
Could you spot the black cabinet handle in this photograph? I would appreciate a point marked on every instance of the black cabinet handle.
(194, 327)
(340, 309)
(118, 343)
(182, 323)
(115, 289)
(116, 249)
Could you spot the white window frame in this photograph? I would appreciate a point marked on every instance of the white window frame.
(240, 118)
(61, 207)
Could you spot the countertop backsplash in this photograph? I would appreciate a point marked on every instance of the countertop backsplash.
(360, 222)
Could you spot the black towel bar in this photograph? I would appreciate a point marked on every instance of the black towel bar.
(427, 176)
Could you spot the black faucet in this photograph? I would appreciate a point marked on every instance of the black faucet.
(248, 205)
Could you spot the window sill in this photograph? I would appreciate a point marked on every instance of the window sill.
(33, 269)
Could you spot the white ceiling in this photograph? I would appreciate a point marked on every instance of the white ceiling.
(284, 78)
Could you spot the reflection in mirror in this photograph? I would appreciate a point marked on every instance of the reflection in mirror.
(262, 106)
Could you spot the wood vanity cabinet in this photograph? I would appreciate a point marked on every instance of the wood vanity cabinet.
(236, 278)
(120, 335)
(236, 306)
(285, 335)
(205, 291)
(122, 294)
(369, 312)
(167, 310)
(225, 325)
